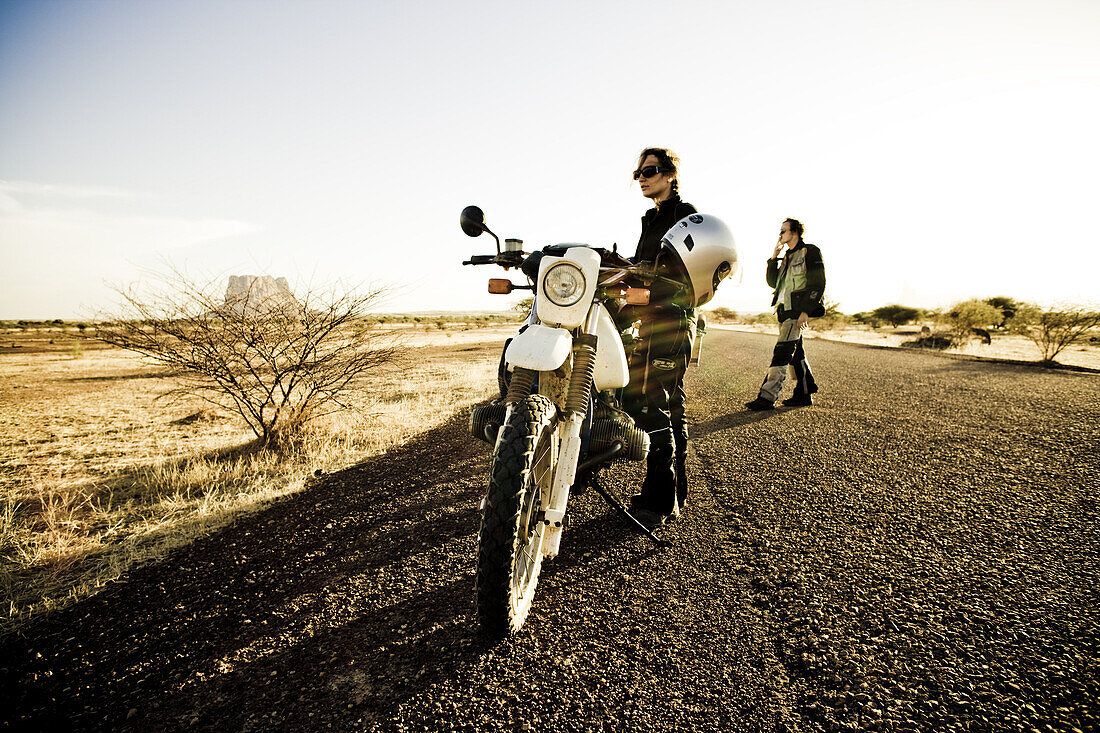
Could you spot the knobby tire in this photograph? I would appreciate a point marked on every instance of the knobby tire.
(507, 565)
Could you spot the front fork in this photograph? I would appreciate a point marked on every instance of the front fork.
(569, 430)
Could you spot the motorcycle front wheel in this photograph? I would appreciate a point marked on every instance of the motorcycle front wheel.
(509, 556)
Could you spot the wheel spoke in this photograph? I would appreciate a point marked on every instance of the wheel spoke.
(529, 550)
(510, 541)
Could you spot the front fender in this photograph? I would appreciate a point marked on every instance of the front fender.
(540, 348)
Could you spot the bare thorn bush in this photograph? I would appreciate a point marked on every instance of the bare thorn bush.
(277, 361)
(1055, 328)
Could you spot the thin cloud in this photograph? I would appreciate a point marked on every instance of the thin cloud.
(125, 232)
(46, 214)
(60, 248)
(30, 188)
(8, 204)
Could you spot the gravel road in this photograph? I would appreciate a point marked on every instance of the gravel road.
(918, 551)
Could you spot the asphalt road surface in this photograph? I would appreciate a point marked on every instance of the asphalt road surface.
(917, 551)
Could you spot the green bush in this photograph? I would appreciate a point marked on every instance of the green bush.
(931, 341)
(963, 318)
(1007, 306)
(896, 315)
(723, 315)
(868, 318)
(759, 319)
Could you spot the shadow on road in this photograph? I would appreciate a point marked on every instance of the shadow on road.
(341, 595)
(733, 420)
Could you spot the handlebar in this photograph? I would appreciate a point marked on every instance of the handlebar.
(643, 272)
(621, 272)
(505, 259)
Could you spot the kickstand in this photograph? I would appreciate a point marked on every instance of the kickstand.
(595, 484)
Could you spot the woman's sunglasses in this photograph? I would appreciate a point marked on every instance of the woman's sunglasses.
(649, 171)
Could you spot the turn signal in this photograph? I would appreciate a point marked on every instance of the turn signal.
(500, 286)
(637, 296)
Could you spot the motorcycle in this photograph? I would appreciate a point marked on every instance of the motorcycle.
(558, 421)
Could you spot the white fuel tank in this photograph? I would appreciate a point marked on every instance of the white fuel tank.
(611, 368)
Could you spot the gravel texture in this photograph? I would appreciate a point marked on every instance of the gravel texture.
(918, 551)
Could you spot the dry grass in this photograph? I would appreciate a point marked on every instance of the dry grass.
(97, 475)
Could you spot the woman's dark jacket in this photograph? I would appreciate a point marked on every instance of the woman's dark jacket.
(655, 224)
(667, 325)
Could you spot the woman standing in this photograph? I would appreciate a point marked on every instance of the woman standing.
(655, 395)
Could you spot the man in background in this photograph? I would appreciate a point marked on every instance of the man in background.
(798, 280)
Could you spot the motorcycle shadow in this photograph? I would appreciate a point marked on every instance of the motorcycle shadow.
(344, 600)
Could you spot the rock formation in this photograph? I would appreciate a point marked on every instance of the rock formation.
(257, 293)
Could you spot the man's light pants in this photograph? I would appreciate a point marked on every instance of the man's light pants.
(788, 354)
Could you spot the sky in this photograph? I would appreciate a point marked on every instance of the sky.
(935, 151)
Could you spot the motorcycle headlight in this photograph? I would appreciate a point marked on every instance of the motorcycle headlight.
(563, 284)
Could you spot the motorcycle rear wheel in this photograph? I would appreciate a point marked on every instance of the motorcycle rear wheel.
(509, 555)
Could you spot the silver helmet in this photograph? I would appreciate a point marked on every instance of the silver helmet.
(699, 251)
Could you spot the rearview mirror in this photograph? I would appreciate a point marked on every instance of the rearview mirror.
(472, 220)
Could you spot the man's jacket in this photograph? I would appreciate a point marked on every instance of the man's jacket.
(798, 280)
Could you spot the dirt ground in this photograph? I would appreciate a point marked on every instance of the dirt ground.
(92, 461)
(915, 552)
